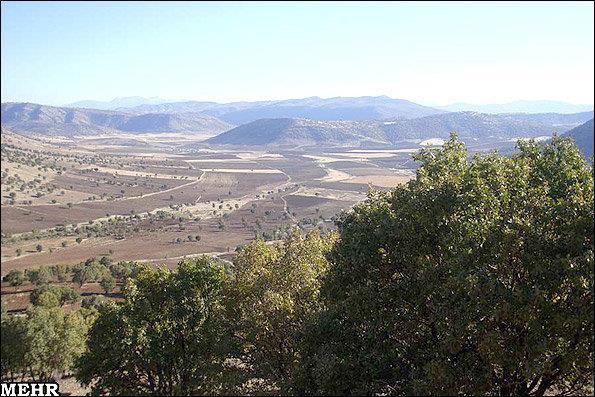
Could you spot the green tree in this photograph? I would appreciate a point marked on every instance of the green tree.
(53, 296)
(273, 294)
(61, 272)
(39, 276)
(93, 301)
(108, 283)
(164, 338)
(47, 299)
(67, 294)
(105, 261)
(476, 278)
(14, 278)
(13, 346)
(54, 340)
(89, 271)
(123, 270)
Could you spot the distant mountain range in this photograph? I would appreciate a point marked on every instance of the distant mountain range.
(583, 135)
(117, 103)
(519, 107)
(469, 125)
(50, 120)
(202, 119)
(340, 108)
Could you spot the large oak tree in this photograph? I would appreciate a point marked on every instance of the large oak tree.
(475, 278)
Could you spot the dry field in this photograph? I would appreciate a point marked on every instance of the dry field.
(64, 202)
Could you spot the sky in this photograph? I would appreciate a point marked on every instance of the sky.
(59, 52)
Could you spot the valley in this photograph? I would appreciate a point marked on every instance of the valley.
(83, 183)
(160, 205)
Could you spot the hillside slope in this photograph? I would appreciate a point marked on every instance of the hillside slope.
(569, 120)
(583, 135)
(469, 125)
(286, 131)
(117, 103)
(50, 120)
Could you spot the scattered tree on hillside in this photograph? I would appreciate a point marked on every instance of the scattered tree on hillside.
(14, 278)
(108, 283)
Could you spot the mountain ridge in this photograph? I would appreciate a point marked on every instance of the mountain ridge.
(469, 125)
(51, 120)
(115, 103)
(316, 108)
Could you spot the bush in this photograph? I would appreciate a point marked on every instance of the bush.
(89, 271)
(93, 301)
(108, 283)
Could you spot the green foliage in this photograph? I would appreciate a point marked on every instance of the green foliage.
(54, 340)
(14, 278)
(53, 296)
(61, 272)
(39, 276)
(93, 301)
(108, 283)
(90, 271)
(476, 278)
(68, 294)
(105, 261)
(47, 299)
(273, 293)
(43, 343)
(124, 270)
(13, 345)
(164, 338)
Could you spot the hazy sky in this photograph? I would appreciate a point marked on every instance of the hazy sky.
(56, 53)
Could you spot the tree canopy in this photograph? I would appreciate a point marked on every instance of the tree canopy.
(273, 294)
(164, 339)
(475, 278)
(43, 343)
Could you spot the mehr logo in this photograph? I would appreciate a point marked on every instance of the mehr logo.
(29, 389)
